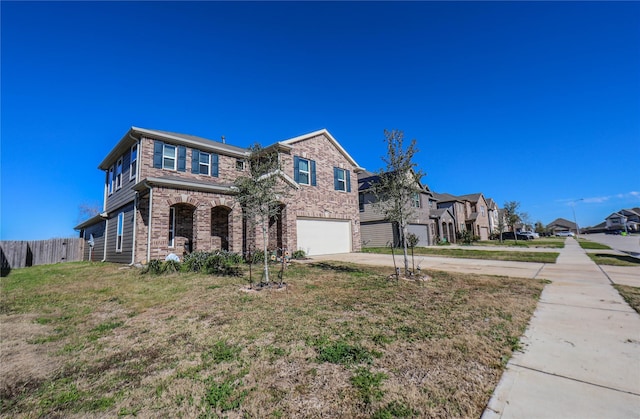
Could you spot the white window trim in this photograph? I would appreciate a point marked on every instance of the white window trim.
(342, 181)
(307, 172)
(175, 156)
(415, 200)
(119, 232)
(172, 227)
(200, 164)
(111, 178)
(133, 171)
(118, 173)
(239, 165)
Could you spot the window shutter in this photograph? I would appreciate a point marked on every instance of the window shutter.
(296, 168)
(214, 165)
(348, 173)
(195, 161)
(182, 158)
(313, 172)
(157, 154)
(335, 178)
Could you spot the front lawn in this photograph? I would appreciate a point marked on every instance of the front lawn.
(543, 242)
(81, 339)
(586, 244)
(630, 294)
(614, 260)
(515, 256)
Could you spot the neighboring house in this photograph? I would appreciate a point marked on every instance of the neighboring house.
(173, 193)
(625, 219)
(561, 225)
(471, 213)
(378, 232)
(494, 216)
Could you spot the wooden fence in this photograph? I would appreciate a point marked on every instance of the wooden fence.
(22, 253)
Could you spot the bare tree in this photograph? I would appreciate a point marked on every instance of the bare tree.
(86, 210)
(259, 194)
(512, 216)
(398, 185)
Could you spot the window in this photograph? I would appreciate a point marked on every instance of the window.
(110, 180)
(341, 180)
(133, 166)
(304, 171)
(169, 157)
(361, 201)
(431, 204)
(119, 232)
(239, 165)
(204, 163)
(482, 209)
(172, 226)
(119, 174)
(416, 200)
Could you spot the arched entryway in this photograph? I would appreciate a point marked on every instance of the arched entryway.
(220, 220)
(181, 228)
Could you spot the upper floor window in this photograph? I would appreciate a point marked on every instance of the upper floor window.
(341, 180)
(239, 165)
(304, 171)
(133, 165)
(415, 202)
(361, 201)
(482, 209)
(431, 204)
(119, 232)
(167, 156)
(204, 163)
(110, 180)
(119, 174)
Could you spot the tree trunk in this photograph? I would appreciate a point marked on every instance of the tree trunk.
(404, 246)
(264, 248)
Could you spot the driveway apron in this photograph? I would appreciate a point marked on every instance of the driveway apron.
(581, 350)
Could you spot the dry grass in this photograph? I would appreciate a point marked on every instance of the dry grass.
(630, 294)
(341, 341)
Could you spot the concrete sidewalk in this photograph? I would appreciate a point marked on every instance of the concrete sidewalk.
(581, 354)
(581, 350)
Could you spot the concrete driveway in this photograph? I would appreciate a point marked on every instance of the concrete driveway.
(627, 244)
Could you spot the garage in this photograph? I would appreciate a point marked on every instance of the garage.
(322, 237)
(421, 231)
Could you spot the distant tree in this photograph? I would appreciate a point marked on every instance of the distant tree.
(539, 227)
(512, 216)
(86, 210)
(260, 192)
(398, 184)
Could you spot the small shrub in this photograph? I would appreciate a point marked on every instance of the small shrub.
(299, 254)
(171, 267)
(154, 267)
(194, 262)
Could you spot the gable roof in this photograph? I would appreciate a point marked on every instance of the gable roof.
(472, 197)
(326, 133)
(561, 222)
(135, 133)
(445, 197)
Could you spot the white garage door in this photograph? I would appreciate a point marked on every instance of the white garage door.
(323, 237)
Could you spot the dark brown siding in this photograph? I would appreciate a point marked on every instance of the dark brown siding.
(125, 194)
(98, 238)
(127, 235)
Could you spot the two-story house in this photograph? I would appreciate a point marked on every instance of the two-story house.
(471, 213)
(168, 193)
(378, 232)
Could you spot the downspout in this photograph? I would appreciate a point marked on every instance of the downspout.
(150, 221)
(135, 217)
(106, 239)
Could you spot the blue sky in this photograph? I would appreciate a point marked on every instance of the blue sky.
(532, 102)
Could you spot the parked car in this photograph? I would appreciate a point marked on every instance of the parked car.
(617, 232)
(565, 233)
(508, 235)
(529, 234)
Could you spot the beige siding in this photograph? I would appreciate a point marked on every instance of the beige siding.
(377, 234)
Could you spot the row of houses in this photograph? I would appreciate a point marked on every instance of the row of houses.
(627, 220)
(167, 192)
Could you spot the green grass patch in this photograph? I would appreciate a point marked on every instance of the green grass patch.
(515, 256)
(614, 260)
(586, 244)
